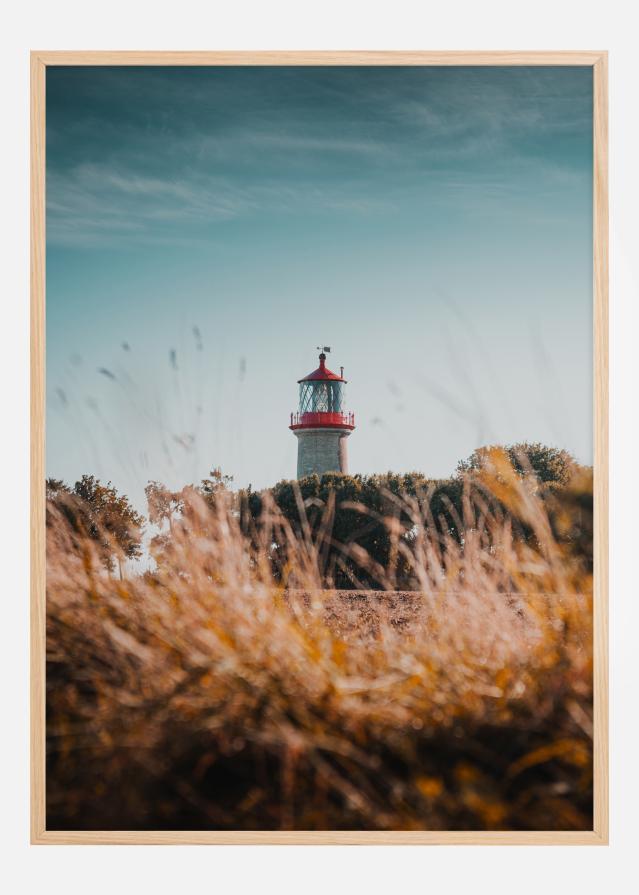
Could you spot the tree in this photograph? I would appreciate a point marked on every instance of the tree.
(162, 504)
(549, 465)
(182, 509)
(97, 512)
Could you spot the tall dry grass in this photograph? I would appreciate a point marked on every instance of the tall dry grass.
(208, 695)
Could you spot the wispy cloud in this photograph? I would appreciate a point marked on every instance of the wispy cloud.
(146, 155)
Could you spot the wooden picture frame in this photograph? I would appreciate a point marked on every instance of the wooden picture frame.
(40, 60)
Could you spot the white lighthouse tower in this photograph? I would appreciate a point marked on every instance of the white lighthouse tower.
(321, 423)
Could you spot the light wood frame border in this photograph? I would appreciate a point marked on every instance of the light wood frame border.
(598, 60)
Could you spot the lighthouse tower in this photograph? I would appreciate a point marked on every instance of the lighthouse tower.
(321, 423)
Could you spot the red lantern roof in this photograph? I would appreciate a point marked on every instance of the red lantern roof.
(322, 373)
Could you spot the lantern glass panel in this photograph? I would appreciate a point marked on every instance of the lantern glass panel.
(321, 397)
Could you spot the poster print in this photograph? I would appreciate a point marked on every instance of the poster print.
(319, 458)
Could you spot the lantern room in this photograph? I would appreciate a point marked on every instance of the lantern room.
(322, 400)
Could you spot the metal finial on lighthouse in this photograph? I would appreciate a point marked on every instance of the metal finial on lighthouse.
(321, 423)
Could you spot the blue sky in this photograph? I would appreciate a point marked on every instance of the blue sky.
(208, 227)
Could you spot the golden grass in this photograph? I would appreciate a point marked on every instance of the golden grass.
(209, 695)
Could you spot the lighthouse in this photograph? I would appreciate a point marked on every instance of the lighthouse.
(321, 424)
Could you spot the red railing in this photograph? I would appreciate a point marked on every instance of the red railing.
(317, 419)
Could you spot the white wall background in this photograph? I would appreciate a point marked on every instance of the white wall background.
(329, 24)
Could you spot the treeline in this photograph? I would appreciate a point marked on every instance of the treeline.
(364, 522)
(362, 527)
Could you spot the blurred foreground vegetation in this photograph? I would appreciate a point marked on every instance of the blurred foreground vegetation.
(381, 652)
